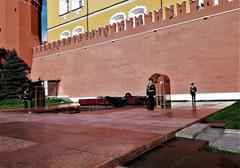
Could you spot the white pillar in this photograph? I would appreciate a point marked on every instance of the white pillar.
(46, 87)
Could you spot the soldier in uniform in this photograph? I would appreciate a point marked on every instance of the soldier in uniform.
(193, 91)
(27, 97)
(150, 94)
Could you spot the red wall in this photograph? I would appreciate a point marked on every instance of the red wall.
(204, 51)
(19, 23)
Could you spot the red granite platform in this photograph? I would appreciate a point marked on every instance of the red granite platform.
(184, 153)
(105, 138)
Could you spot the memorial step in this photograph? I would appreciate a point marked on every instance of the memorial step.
(229, 141)
(192, 131)
(211, 135)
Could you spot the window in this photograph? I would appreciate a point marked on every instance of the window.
(136, 12)
(65, 34)
(63, 7)
(117, 18)
(66, 6)
(76, 4)
(77, 30)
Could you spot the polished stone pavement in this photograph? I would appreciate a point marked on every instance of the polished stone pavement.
(105, 138)
(184, 153)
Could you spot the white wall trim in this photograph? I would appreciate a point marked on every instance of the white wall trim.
(184, 97)
(75, 99)
(207, 96)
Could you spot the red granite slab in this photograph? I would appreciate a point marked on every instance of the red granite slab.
(8, 144)
(74, 141)
(76, 129)
(22, 157)
(103, 138)
(105, 132)
(38, 137)
(72, 159)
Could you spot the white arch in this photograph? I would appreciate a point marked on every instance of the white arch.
(136, 12)
(77, 30)
(118, 18)
(65, 34)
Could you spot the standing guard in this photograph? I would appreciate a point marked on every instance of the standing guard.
(27, 97)
(193, 91)
(151, 92)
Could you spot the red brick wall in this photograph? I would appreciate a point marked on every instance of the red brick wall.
(19, 23)
(204, 51)
(9, 35)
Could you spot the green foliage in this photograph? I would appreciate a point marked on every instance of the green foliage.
(57, 101)
(18, 103)
(232, 125)
(229, 115)
(13, 76)
(216, 150)
(11, 104)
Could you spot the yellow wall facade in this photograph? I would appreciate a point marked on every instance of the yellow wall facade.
(99, 14)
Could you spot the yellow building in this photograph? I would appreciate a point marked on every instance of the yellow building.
(66, 18)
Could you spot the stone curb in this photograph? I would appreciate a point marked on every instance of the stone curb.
(231, 131)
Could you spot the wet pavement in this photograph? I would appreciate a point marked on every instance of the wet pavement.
(105, 138)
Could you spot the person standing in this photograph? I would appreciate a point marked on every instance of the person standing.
(25, 98)
(193, 91)
(150, 94)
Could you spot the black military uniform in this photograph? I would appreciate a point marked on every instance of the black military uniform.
(27, 97)
(193, 91)
(150, 93)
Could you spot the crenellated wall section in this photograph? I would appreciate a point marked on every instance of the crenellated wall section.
(200, 46)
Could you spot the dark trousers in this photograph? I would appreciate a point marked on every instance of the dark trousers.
(25, 101)
(150, 103)
(193, 97)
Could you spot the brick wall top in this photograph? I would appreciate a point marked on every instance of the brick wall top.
(147, 19)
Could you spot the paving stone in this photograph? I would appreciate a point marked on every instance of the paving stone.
(74, 159)
(8, 144)
(228, 142)
(25, 156)
(211, 134)
(234, 131)
(93, 139)
(193, 131)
